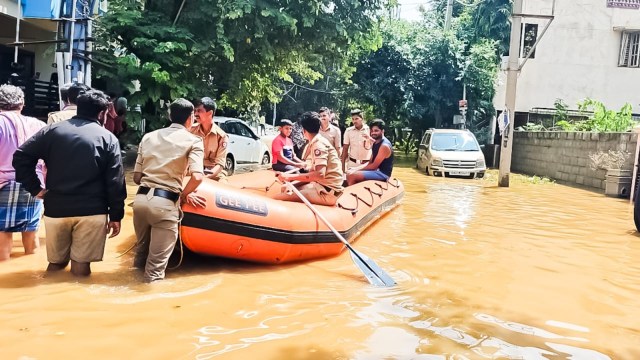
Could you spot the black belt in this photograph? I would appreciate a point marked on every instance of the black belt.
(357, 161)
(160, 193)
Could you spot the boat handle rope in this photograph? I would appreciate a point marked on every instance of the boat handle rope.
(366, 203)
(373, 192)
(354, 210)
(397, 185)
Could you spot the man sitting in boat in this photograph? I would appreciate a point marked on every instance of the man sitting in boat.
(214, 138)
(284, 158)
(381, 165)
(322, 185)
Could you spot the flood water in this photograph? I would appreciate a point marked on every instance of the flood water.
(535, 271)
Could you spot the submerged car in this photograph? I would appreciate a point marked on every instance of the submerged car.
(245, 147)
(451, 152)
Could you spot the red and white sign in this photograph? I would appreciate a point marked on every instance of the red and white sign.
(462, 104)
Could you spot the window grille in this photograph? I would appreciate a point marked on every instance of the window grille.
(630, 49)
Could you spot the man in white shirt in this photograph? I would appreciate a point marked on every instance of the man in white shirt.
(357, 142)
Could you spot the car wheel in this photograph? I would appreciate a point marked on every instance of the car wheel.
(230, 165)
(266, 159)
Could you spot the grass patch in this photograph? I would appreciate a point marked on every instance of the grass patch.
(492, 176)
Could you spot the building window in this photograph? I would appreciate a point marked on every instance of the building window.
(630, 49)
(529, 38)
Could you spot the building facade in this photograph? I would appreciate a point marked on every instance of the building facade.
(590, 50)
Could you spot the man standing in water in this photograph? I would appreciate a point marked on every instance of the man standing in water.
(357, 142)
(85, 188)
(164, 157)
(381, 164)
(215, 139)
(322, 185)
(19, 210)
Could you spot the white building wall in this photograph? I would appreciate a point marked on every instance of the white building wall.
(577, 58)
(9, 7)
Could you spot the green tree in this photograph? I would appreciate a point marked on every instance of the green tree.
(491, 19)
(240, 51)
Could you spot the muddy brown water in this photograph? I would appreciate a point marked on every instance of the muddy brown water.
(535, 271)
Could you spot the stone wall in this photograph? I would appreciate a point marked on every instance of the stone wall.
(564, 156)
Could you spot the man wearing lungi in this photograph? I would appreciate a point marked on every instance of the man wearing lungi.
(19, 211)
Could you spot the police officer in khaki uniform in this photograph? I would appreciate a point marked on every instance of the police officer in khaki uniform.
(357, 142)
(215, 139)
(322, 185)
(164, 157)
(69, 94)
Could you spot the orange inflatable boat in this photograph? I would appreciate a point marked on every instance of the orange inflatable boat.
(242, 221)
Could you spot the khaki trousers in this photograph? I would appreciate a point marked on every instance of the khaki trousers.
(79, 238)
(155, 221)
(314, 192)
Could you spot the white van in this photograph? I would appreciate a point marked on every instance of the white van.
(451, 152)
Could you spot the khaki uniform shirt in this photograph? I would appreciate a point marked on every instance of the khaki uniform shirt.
(164, 156)
(215, 145)
(333, 135)
(67, 113)
(321, 152)
(359, 148)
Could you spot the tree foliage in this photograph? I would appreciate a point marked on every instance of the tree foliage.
(239, 51)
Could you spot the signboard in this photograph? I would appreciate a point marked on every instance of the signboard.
(458, 119)
(624, 4)
(462, 104)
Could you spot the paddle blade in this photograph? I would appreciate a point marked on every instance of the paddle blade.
(371, 270)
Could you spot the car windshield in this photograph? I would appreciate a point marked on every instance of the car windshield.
(454, 142)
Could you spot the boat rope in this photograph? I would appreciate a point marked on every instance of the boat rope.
(180, 217)
(397, 185)
(266, 188)
(353, 210)
(366, 203)
(373, 192)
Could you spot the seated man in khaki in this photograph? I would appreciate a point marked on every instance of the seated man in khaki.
(215, 139)
(322, 185)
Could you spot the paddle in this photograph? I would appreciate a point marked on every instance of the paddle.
(371, 270)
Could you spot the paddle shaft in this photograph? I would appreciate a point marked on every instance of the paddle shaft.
(319, 215)
(372, 272)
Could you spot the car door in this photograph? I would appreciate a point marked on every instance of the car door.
(423, 151)
(250, 142)
(236, 141)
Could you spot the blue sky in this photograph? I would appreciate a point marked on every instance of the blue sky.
(409, 8)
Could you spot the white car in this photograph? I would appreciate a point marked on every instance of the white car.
(245, 147)
(451, 152)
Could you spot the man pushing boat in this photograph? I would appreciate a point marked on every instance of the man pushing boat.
(322, 185)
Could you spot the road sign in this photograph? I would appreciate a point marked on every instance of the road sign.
(458, 119)
(462, 104)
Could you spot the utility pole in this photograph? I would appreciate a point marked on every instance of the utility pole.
(449, 14)
(510, 99)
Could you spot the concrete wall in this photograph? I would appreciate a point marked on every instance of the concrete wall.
(564, 156)
(577, 57)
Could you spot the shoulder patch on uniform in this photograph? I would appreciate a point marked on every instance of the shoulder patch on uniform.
(317, 152)
(224, 145)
